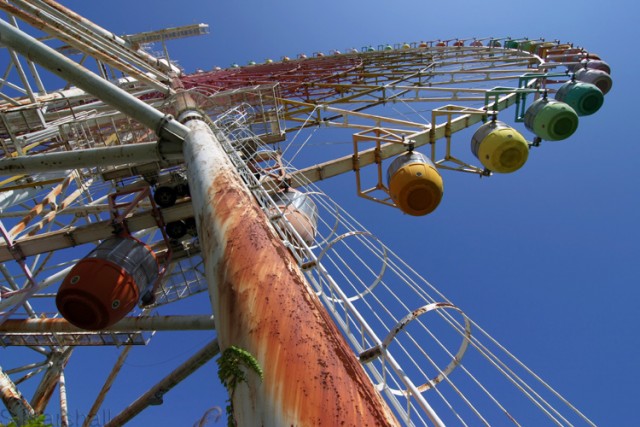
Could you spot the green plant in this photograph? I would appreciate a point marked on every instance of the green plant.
(231, 365)
(38, 421)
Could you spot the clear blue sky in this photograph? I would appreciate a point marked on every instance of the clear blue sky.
(545, 259)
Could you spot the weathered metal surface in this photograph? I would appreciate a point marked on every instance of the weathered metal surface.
(164, 126)
(88, 420)
(103, 156)
(74, 236)
(48, 200)
(151, 323)
(17, 405)
(117, 41)
(64, 411)
(263, 304)
(387, 150)
(153, 396)
(38, 18)
(42, 395)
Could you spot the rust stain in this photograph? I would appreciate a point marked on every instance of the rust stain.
(42, 396)
(265, 306)
(12, 398)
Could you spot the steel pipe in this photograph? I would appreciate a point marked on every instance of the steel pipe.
(150, 323)
(44, 391)
(164, 126)
(64, 409)
(154, 395)
(75, 236)
(17, 405)
(88, 421)
(264, 305)
(104, 156)
(73, 18)
(40, 19)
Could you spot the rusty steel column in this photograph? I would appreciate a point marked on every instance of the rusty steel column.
(64, 409)
(42, 395)
(16, 404)
(263, 304)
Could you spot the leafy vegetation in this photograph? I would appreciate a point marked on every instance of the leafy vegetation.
(231, 371)
(35, 422)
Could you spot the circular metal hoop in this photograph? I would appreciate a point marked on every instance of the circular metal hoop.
(375, 352)
(378, 278)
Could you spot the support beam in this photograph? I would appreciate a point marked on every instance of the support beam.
(154, 395)
(42, 395)
(128, 324)
(75, 236)
(106, 387)
(64, 411)
(8, 302)
(17, 405)
(264, 305)
(93, 157)
(370, 156)
(108, 35)
(23, 76)
(163, 125)
(37, 17)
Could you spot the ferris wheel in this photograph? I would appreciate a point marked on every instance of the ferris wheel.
(107, 220)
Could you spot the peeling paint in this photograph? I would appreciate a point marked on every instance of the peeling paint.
(17, 405)
(264, 305)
